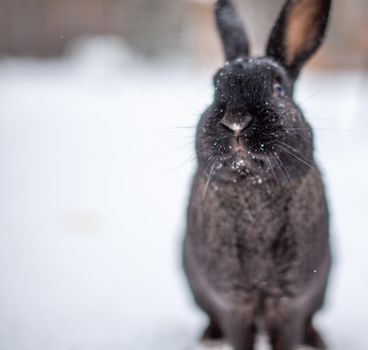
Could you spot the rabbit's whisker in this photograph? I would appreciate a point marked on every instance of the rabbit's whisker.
(272, 170)
(175, 149)
(307, 99)
(285, 168)
(193, 109)
(212, 171)
(296, 157)
(322, 129)
(278, 166)
(182, 127)
(186, 137)
(190, 159)
(295, 150)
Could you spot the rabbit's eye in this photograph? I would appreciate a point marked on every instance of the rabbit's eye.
(278, 89)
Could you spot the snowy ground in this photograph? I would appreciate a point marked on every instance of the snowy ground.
(93, 186)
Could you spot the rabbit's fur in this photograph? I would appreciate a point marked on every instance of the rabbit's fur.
(257, 243)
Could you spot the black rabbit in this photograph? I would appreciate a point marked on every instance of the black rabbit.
(257, 249)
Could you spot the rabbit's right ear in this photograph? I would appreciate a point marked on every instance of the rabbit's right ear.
(231, 29)
(298, 33)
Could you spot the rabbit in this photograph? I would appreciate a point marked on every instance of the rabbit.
(256, 251)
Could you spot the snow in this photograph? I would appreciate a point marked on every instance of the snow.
(96, 154)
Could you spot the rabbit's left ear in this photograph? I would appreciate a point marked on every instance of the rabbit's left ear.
(298, 33)
(232, 32)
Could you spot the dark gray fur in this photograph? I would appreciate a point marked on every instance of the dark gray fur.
(257, 245)
(231, 30)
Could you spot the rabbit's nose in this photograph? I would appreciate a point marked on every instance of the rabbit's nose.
(236, 125)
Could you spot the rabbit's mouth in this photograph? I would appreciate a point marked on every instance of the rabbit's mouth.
(242, 160)
(237, 157)
(240, 164)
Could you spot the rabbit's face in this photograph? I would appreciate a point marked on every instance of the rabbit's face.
(254, 128)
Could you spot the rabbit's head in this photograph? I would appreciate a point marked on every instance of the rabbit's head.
(254, 128)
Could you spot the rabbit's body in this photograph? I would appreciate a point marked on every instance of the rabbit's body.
(257, 240)
(276, 257)
(279, 237)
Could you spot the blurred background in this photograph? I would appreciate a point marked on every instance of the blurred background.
(99, 100)
(46, 28)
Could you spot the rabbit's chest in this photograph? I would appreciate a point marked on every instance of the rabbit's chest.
(244, 242)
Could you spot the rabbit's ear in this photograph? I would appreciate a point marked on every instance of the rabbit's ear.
(298, 33)
(231, 29)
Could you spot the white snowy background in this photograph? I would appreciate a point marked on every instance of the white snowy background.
(96, 155)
